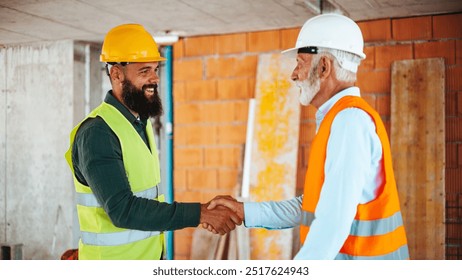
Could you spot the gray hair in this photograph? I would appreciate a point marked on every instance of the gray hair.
(345, 63)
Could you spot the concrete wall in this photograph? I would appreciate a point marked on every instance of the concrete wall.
(38, 108)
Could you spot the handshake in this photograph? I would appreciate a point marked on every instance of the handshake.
(222, 214)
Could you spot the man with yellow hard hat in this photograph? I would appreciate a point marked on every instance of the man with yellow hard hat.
(114, 161)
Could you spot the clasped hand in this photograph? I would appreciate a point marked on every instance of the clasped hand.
(222, 214)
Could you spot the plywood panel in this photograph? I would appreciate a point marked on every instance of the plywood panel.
(274, 149)
(418, 148)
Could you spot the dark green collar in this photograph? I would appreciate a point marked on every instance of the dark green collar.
(110, 99)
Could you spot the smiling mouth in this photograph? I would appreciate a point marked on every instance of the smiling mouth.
(150, 90)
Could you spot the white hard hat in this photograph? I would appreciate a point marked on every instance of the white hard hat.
(332, 31)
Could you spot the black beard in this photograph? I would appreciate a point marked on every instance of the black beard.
(137, 101)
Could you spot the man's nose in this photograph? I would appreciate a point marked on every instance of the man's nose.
(294, 75)
(154, 78)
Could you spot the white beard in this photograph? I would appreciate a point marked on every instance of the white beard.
(308, 90)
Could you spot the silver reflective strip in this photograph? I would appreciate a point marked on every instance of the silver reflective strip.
(376, 227)
(115, 238)
(402, 253)
(307, 218)
(89, 199)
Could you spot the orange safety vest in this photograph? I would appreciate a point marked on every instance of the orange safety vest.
(377, 231)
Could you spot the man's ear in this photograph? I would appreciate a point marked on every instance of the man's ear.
(325, 67)
(116, 74)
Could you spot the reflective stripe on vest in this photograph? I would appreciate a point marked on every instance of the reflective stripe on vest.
(364, 228)
(116, 238)
(401, 254)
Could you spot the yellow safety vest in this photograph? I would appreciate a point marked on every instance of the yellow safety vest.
(377, 231)
(100, 238)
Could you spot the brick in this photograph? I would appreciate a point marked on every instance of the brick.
(307, 132)
(263, 41)
(453, 129)
(386, 55)
(232, 134)
(447, 26)
(197, 134)
(414, 28)
(225, 67)
(216, 112)
(234, 89)
(187, 113)
(179, 179)
(383, 104)
(219, 67)
(459, 103)
(369, 62)
(252, 82)
(300, 154)
(189, 196)
(228, 180)
(453, 179)
(308, 113)
(376, 30)
(182, 245)
(371, 99)
(374, 82)
(454, 77)
(223, 157)
(178, 49)
(289, 38)
(179, 138)
(452, 155)
(386, 123)
(459, 154)
(458, 51)
(202, 179)
(199, 46)
(445, 49)
(201, 90)
(241, 111)
(451, 103)
(187, 70)
(301, 172)
(231, 43)
(246, 66)
(188, 157)
(179, 93)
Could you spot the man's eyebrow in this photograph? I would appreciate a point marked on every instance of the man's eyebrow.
(145, 68)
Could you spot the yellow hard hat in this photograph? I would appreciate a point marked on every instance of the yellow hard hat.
(129, 43)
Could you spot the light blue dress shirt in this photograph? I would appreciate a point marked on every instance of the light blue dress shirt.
(352, 176)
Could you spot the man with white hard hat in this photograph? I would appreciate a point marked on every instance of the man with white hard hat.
(350, 207)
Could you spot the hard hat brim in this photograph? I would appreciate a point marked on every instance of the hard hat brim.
(288, 51)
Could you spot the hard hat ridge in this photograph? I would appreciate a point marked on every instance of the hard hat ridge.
(129, 43)
(331, 31)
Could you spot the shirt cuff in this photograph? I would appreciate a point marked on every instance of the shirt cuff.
(252, 212)
(191, 214)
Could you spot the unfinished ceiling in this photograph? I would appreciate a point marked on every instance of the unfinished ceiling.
(24, 21)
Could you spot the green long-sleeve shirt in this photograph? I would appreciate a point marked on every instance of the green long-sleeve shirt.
(98, 163)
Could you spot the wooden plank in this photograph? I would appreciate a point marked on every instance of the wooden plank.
(274, 149)
(418, 150)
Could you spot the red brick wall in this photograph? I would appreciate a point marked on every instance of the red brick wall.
(214, 77)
